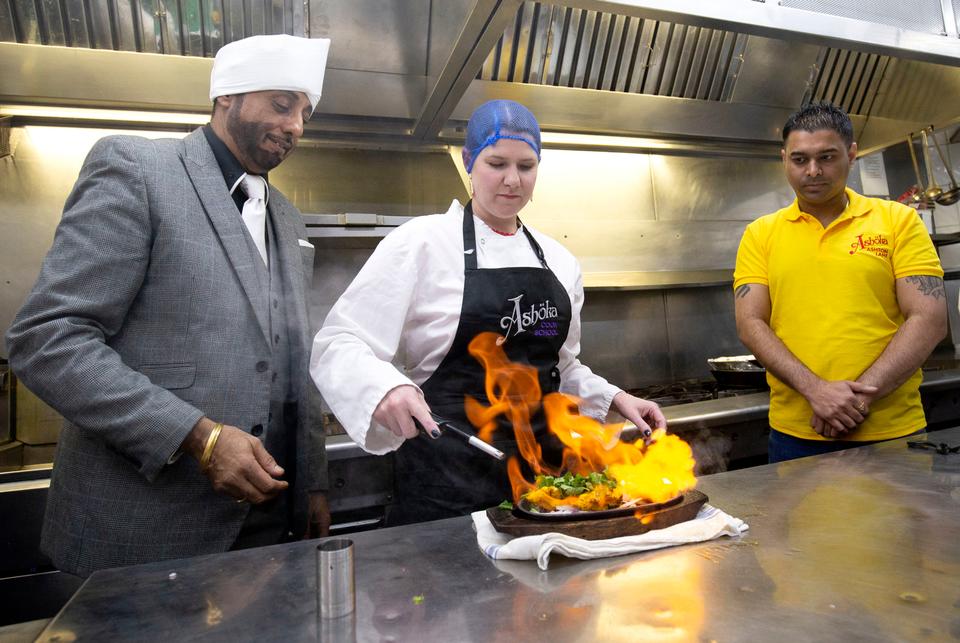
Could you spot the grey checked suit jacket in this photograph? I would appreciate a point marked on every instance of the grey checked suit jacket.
(142, 321)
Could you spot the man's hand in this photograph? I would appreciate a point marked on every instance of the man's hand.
(839, 406)
(318, 515)
(923, 303)
(240, 467)
(644, 414)
(398, 408)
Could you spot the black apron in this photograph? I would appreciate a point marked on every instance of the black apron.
(444, 478)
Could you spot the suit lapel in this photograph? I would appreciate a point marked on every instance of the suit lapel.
(207, 179)
(290, 265)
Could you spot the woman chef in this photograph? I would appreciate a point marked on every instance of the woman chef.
(394, 347)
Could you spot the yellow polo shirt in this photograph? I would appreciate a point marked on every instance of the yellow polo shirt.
(834, 301)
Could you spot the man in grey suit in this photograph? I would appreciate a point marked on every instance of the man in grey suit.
(169, 327)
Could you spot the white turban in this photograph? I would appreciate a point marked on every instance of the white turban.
(260, 63)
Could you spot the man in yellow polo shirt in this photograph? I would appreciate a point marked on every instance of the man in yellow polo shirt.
(840, 297)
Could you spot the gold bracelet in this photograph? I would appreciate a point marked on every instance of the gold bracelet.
(209, 445)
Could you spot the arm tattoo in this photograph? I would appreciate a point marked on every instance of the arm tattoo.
(742, 291)
(928, 285)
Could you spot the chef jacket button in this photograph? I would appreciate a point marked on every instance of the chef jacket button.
(555, 373)
(257, 430)
(276, 339)
(262, 367)
(275, 303)
(274, 378)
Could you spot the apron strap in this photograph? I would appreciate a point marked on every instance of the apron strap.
(470, 240)
(533, 244)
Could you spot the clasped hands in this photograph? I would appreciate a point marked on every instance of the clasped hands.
(839, 406)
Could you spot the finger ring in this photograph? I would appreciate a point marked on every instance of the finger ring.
(241, 500)
(861, 406)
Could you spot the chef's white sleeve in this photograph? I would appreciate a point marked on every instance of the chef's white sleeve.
(352, 353)
(595, 393)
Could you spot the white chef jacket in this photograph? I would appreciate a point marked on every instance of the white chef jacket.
(397, 320)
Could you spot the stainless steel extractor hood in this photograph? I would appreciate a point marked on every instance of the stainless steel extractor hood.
(695, 74)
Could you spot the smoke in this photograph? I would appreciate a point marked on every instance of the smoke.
(711, 450)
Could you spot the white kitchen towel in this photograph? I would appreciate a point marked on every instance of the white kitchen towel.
(710, 523)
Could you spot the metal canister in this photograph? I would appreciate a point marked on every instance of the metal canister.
(335, 578)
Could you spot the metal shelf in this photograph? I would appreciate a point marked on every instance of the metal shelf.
(365, 226)
(351, 225)
(945, 239)
(351, 232)
(365, 229)
(656, 280)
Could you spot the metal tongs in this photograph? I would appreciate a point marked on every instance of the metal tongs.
(942, 447)
(449, 428)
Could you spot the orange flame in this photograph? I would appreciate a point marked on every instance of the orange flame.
(655, 473)
(513, 390)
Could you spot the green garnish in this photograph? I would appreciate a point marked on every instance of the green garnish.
(506, 504)
(571, 484)
(418, 599)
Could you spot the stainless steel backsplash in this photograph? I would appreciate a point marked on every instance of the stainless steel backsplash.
(615, 211)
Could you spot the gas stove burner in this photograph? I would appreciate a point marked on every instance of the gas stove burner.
(686, 397)
(687, 391)
(677, 392)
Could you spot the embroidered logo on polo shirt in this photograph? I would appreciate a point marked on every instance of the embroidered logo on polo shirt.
(521, 320)
(875, 244)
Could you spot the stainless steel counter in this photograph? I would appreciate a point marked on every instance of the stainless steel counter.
(936, 380)
(858, 545)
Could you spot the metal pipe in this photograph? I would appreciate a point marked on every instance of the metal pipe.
(918, 196)
(933, 190)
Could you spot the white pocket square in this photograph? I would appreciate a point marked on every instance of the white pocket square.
(305, 243)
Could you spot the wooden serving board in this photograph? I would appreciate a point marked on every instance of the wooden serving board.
(505, 521)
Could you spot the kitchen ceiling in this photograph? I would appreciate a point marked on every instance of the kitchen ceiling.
(181, 27)
(688, 73)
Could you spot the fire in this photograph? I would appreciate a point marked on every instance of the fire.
(514, 391)
(654, 473)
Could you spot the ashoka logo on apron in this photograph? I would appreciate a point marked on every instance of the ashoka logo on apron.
(522, 319)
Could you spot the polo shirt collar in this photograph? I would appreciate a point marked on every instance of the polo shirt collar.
(857, 205)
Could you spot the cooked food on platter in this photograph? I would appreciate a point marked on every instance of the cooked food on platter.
(574, 492)
(581, 497)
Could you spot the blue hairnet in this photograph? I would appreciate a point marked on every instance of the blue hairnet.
(498, 119)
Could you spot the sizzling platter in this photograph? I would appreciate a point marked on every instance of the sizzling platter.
(680, 509)
(575, 496)
(524, 509)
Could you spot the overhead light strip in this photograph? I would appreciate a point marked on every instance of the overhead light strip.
(596, 140)
(103, 115)
(599, 142)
